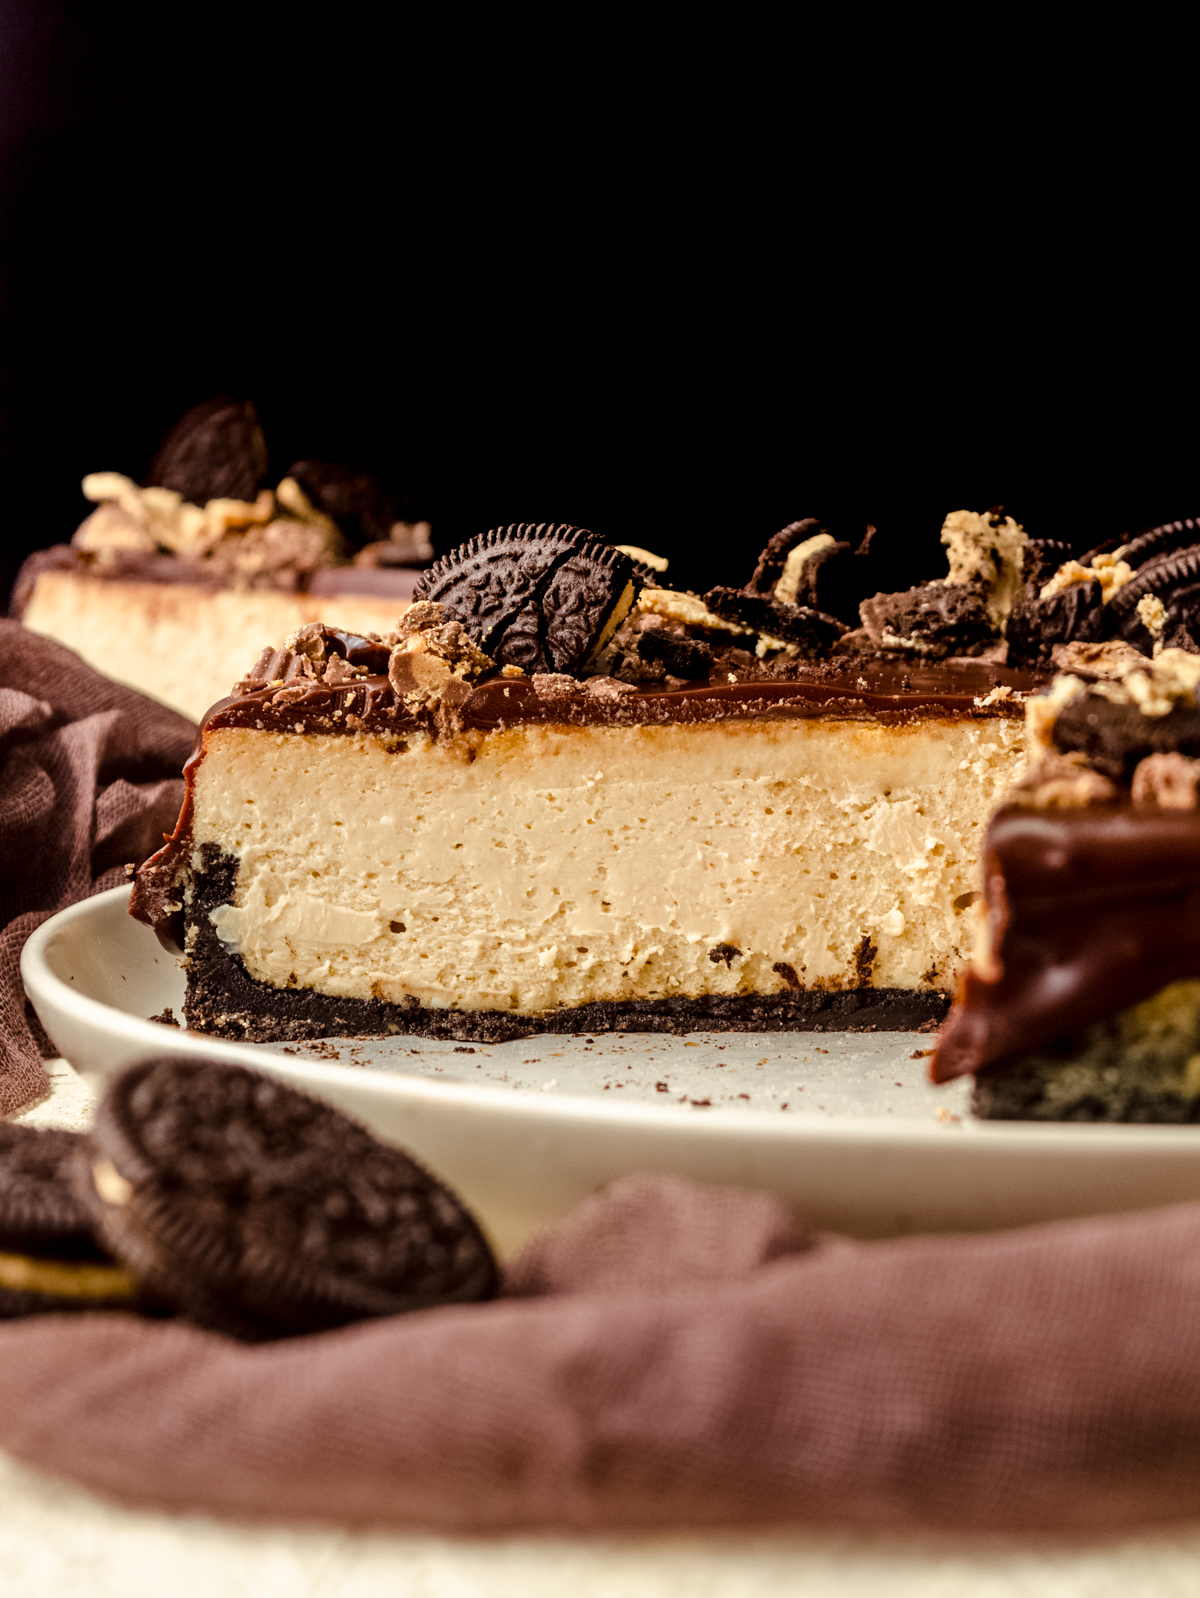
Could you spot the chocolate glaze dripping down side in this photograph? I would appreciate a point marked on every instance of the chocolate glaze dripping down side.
(1089, 911)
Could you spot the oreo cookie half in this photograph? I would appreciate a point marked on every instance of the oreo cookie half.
(50, 1259)
(545, 598)
(260, 1212)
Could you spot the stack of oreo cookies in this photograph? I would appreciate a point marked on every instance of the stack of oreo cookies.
(233, 1201)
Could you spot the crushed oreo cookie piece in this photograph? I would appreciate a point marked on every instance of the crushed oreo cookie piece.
(724, 954)
(365, 511)
(1043, 557)
(1115, 738)
(263, 1213)
(682, 657)
(216, 451)
(1036, 625)
(809, 629)
(933, 620)
(1167, 577)
(773, 560)
(545, 598)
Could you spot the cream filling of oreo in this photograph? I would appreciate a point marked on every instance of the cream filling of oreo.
(539, 867)
(788, 585)
(619, 612)
(22, 1273)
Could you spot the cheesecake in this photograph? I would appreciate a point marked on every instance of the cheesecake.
(165, 581)
(559, 795)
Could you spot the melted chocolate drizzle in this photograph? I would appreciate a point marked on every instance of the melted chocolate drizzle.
(1090, 911)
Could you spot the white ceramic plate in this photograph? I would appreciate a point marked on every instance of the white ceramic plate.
(844, 1126)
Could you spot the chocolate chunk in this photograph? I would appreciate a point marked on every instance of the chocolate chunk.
(216, 451)
(864, 959)
(540, 597)
(812, 630)
(1114, 738)
(1073, 615)
(774, 557)
(261, 1212)
(724, 954)
(933, 620)
(682, 657)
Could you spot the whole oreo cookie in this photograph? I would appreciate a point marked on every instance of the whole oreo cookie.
(261, 1212)
(545, 598)
(50, 1259)
(216, 451)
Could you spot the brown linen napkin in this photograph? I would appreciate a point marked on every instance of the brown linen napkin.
(672, 1356)
(89, 780)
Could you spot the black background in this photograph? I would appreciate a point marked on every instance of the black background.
(519, 300)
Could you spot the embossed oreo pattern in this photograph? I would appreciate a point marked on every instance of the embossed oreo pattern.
(1160, 577)
(537, 597)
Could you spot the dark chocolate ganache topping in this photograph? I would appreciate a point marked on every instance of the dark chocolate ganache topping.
(1089, 911)
(874, 690)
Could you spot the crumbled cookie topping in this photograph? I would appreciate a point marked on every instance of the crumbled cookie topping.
(432, 657)
(986, 551)
(244, 541)
(1169, 780)
(1060, 781)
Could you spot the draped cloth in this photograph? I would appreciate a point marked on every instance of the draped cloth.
(89, 782)
(673, 1356)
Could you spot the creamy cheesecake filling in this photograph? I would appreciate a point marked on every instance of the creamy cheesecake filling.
(536, 867)
(182, 644)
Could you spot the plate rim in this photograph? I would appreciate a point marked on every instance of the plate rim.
(799, 1126)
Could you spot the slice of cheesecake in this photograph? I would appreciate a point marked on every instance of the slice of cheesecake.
(394, 836)
(168, 586)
